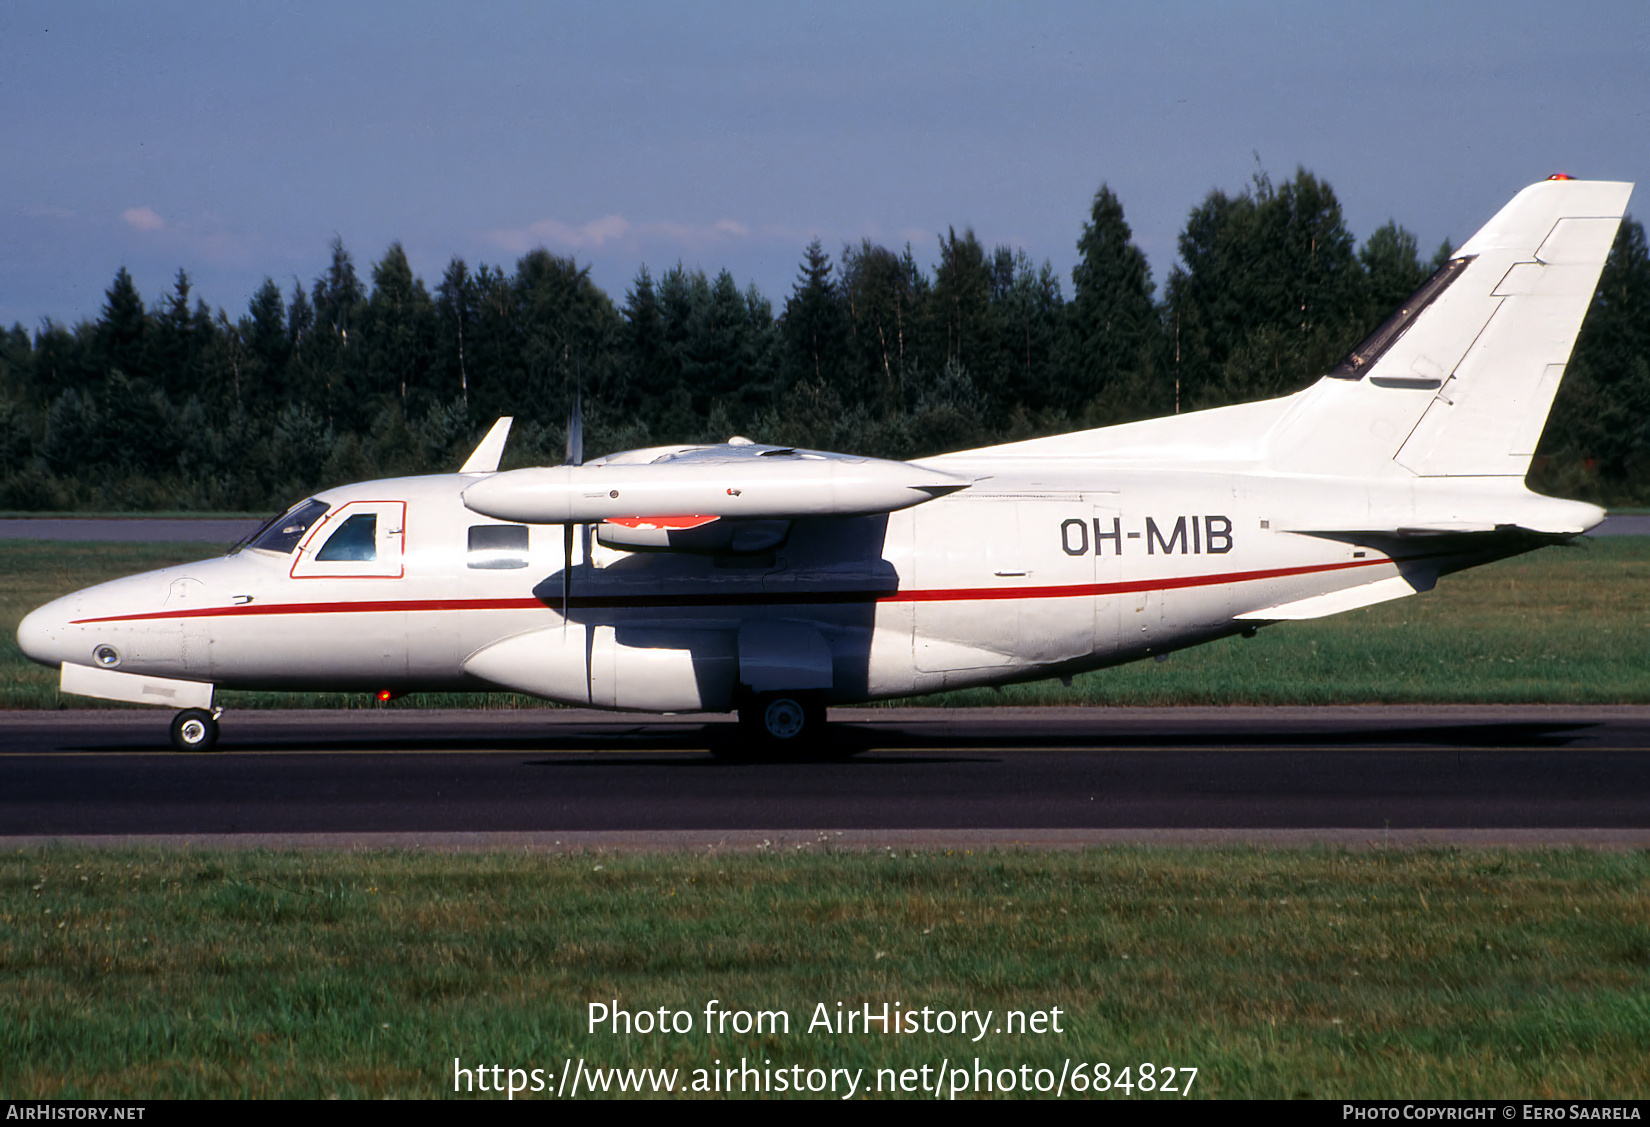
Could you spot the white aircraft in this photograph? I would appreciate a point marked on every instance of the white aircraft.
(776, 581)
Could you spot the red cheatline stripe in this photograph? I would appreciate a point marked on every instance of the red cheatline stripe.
(382, 606)
(1160, 584)
(717, 599)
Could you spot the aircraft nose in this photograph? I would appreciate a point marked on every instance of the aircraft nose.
(40, 634)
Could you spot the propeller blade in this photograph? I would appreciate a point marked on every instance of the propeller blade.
(566, 569)
(575, 457)
(575, 430)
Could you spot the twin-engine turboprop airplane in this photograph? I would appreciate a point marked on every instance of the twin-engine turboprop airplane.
(776, 581)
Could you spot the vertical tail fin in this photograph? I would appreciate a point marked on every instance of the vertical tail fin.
(1459, 381)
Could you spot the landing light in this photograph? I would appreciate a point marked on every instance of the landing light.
(107, 656)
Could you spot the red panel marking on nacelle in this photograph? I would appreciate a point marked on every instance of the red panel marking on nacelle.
(693, 520)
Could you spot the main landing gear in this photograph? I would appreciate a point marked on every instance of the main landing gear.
(195, 729)
(781, 723)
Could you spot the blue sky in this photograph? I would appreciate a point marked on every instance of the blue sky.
(235, 140)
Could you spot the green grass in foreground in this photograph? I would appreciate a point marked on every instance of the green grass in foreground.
(1276, 973)
(1561, 625)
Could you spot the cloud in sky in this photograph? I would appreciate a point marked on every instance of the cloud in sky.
(143, 219)
(732, 135)
(614, 229)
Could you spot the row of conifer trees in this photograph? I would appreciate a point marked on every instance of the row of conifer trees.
(168, 405)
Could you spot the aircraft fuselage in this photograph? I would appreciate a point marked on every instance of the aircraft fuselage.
(773, 580)
(1025, 575)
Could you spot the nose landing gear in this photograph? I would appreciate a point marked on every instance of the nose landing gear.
(195, 729)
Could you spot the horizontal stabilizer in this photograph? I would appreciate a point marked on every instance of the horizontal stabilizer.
(1405, 531)
(733, 480)
(1478, 508)
(1321, 606)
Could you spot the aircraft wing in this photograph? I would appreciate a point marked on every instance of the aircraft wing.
(737, 480)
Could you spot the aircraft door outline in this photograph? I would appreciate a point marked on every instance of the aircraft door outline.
(1015, 623)
(355, 556)
(1105, 525)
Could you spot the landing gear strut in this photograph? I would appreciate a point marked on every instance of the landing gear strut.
(195, 729)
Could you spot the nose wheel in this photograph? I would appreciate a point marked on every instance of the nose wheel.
(195, 729)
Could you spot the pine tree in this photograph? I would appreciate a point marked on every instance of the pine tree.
(174, 346)
(881, 291)
(1393, 269)
(334, 358)
(1031, 317)
(1268, 295)
(398, 327)
(455, 301)
(1113, 328)
(121, 329)
(962, 300)
(814, 328)
(1601, 415)
(268, 348)
(566, 328)
(644, 343)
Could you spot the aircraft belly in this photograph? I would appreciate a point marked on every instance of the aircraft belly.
(195, 648)
(889, 671)
(333, 651)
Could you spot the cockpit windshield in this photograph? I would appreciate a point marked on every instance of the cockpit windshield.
(282, 533)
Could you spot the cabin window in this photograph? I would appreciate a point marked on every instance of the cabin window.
(498, 546)
(283, 532)
(356, 541)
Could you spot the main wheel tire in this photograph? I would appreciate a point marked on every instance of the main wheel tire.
(772, 721)
(194, 729)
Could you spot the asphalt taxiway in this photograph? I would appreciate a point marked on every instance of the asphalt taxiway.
(891, 777)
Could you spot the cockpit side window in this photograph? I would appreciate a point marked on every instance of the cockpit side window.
(283, 533)
(356, 541)
(497, 546)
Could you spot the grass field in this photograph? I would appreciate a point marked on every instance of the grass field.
(1274, 973)
(1562, 625)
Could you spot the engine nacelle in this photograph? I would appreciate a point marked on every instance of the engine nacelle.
(624, 667)
(754, 482)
